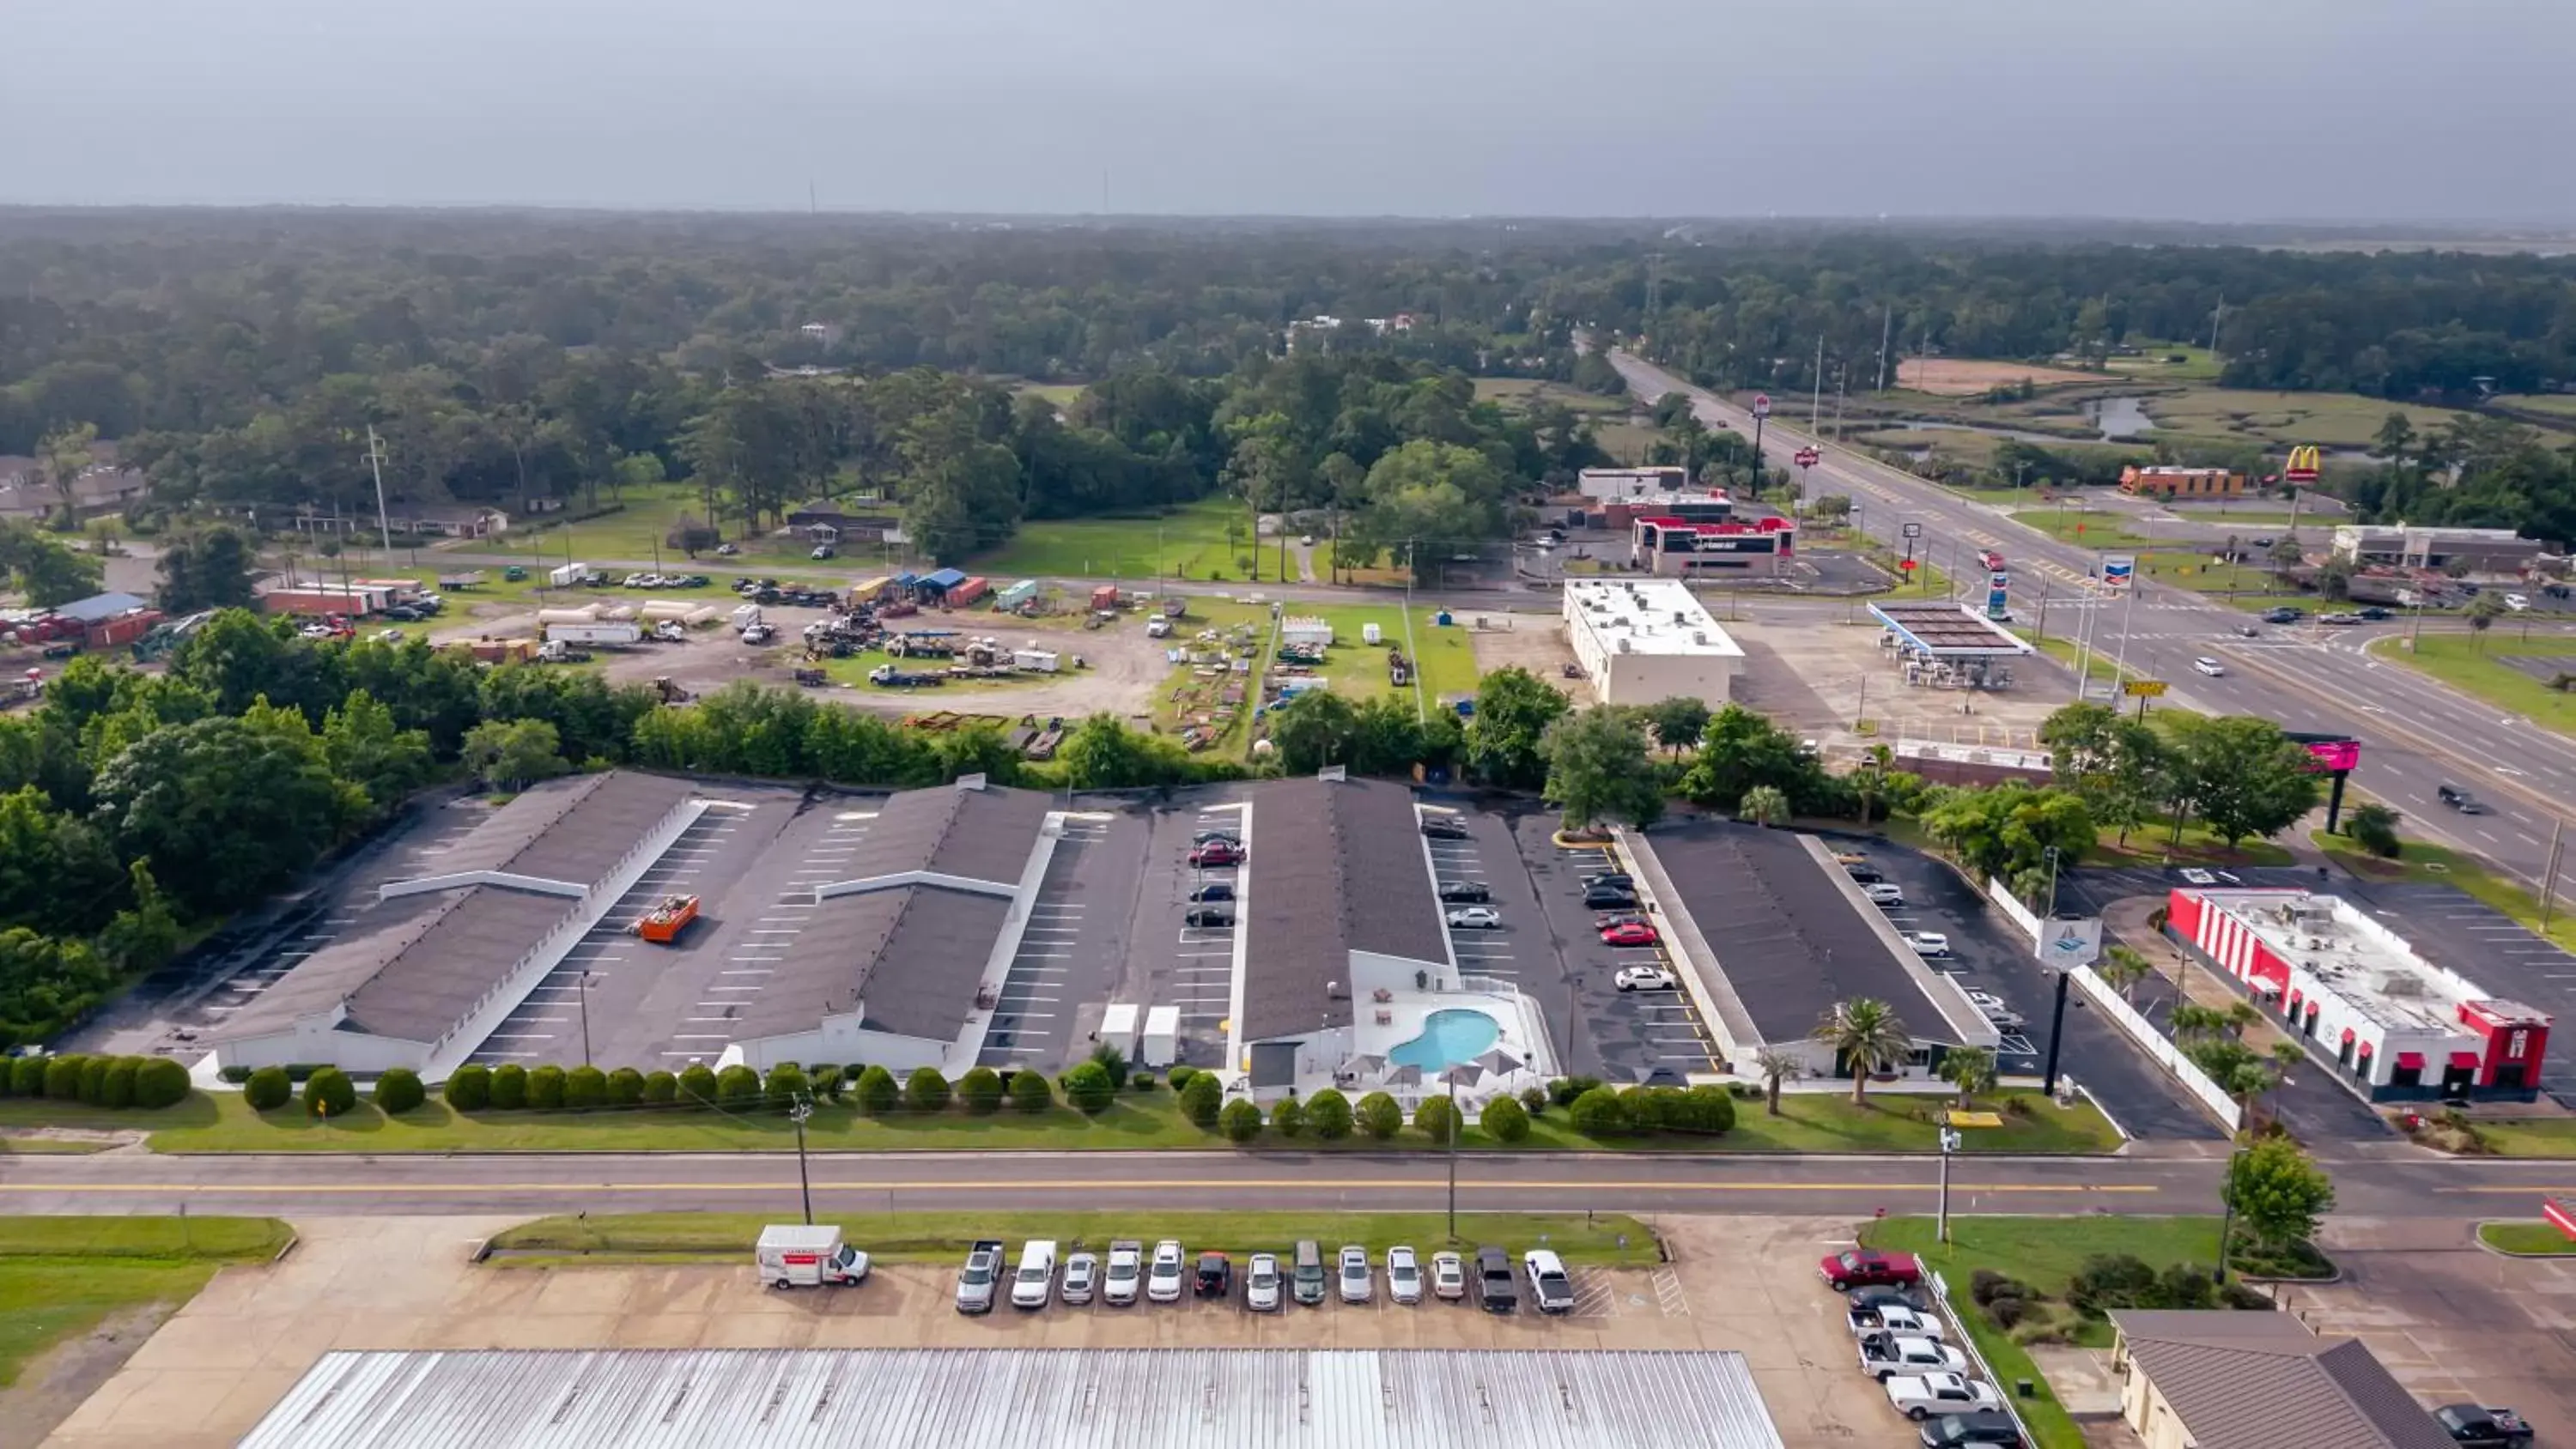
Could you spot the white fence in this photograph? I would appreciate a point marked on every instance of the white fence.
(2011, 905)
(2155, 1044)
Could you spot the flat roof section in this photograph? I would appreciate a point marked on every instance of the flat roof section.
(569, 830)
(2375, 972)
(1950, 631)
(1647, 616)
(1337, 866)
(1788, 940)
(986, 1398)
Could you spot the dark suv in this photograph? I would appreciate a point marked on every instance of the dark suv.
(1494, 1280)
(1977, 1429)
(1464, 892)
(1215, 1276)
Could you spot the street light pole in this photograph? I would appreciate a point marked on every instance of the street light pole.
(582, 992)
(797, 1114)
(1949, 1144)
(1453, 1159)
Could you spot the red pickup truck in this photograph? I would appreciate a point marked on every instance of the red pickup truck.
(1860, 1267)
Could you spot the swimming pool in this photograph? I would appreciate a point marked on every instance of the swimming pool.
(1448, 1037)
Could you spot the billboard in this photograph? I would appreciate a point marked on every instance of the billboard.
(2337, 755)
(2119, 570)
(2065, 943)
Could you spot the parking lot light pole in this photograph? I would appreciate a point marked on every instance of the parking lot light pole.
(1453, 1159)
(583, 993)
(797, 1114)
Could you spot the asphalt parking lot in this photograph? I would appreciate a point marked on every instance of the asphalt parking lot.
(1988, 954)
(1619, 1036)
(1171, 962)
(1071, 955)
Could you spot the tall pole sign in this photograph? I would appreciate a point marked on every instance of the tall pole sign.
(1761, 410)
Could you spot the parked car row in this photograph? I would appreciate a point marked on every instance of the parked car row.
(1268, 1281)
(1903, 1344)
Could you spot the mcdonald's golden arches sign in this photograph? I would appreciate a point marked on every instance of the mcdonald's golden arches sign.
(2303, 464)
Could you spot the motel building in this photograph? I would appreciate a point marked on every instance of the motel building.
(2396, 1027)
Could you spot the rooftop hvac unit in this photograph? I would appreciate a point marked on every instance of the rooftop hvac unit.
(2401, 983)
(1626, 645)
(1679, 617)
(1699, 636)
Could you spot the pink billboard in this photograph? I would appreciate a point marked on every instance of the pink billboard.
(2336, 754)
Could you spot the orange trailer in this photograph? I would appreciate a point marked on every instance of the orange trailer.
(663, 924)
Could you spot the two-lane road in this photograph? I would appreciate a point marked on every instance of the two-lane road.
(2416, 733)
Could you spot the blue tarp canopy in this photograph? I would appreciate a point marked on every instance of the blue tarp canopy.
(906, 579)
(943, 580)
(101, 606)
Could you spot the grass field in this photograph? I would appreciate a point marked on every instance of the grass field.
(1062, 394)
(62, 1276)
(2556, 404)
(2539, 1238)
(2467, 663)
(2537, 1137)
(1811, 1122)
(1605, 1239)
(1520, 392)
(2428, 864)
(2282, 419)
(2043, 1252)
(1190, 542)
(2198, 364)
(1964, 376)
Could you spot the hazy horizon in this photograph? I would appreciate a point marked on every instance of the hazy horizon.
(2291, 112)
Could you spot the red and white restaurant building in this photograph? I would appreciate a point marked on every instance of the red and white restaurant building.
(2397, 1027)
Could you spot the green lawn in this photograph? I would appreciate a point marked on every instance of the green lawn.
(1520, 392)
(2043, 1252)
(2540, 1238)
(2283, 419)
(1609, 1239)
(2429, 864)
(2532, 1137)
(60, 1277)
(2199, 364)
(1062, 394)
(2150, 843)
(2466, 663)
(222, 1122)
(1190, 542)
(2556, 404)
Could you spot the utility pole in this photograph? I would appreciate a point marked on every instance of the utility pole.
(1886, 334)
(1816, 390)
(376, 465)
(797, 1114)
(2215, 318)
(1453, 1157)
(1839, 370)
(1949, 1144)
(584, 995)
(2549, 877)
(1654, 290)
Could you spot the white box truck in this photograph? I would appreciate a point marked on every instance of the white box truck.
(607, 633)
(800, 1255)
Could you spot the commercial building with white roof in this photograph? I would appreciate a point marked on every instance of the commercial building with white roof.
(2395, 1026)
(1641, 640)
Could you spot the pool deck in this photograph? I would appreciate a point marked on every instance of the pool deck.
(1408, 1014)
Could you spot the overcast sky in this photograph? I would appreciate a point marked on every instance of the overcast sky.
(2218, 110)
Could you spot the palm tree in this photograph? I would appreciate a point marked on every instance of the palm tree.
(2285, 1055)
(1864, 1032)
(1971, 1070)
(2242, 1017)
(2124, 967)
(2482, 613)
(1763, 805)
(1776, 1066)
(2190, 1019)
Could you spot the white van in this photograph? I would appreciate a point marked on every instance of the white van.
(1036, 1278)
(798, 1255)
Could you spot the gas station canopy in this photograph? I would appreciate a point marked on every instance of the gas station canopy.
(1949, 631)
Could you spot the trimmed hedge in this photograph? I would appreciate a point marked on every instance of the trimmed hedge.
(1240, 1121)
(786, 1082)
(585, 1088)
(398, 1091)
(1201, 1098)
(1505, 1120)
(1599, 1112)
(1030, 1092)
(509, 1087)
(1378, 1116)
(1329, 1113)
(980, 1091)
(1434, 1118)
(266, 1091)
(660, 1087)
(697, 1084)
(469, 1089)
(878, 1092)
(625, 1087)
(117, 1089)
(737, 1084)
(926, 1090)
(160, 1082)
(1088, 1087)
(329, 1093)
(546, 1088)
(1287, 1117)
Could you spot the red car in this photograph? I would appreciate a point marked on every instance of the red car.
(1630, 933)
(1859, 1268)
(1217, 852)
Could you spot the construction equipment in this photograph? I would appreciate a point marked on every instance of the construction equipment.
(671, 692)
(1399, 670)
(663, 924)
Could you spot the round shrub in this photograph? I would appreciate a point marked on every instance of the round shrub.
(1378, 1116)
(1600, 1113)
(1088, 1088)
(1708, 1109)
(469, 1089)
(160, 1082)
(625, 1087)
(661, 1088)
(980, 1091)
(398, 1090)
(827, 1081)
(1141, 1082)
(1287, 1117)
(1179, 1077)
(1030, 1092)
(329, 1093)
(93, 1079)
(117, 1089)
(1505, 1120)
(546, 1088)
(267, 1090)
(1113, 1061)
(62, 1077)
(1645, 1108)
(584, 1088)
(1534, 1101)
(697, 1084)
(787, 1082)
(1329, 1113)
(509, 1087)
(926, 1090)
(1434, 1118)
(878, 1092)
(737, 1084)
(27, 1077)
(1240, 1121)
(1201, 1098)
(1564, 1090)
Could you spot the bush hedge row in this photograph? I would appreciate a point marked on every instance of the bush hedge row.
(96, 1081)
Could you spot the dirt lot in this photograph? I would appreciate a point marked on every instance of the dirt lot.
(1817, 677)
(1735, 1283)
(1535, 642)
(1962, 377)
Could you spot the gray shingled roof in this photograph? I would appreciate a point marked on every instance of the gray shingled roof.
(413, 965)
(2251, 1380)
(1787, 938)
(1337, 866)
(913, 954)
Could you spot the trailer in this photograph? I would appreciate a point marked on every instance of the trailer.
(1104, 597)
(1041, 661)
(892, 678)
(498, 651)
(663, 924)
(565, 576)
(606, 633)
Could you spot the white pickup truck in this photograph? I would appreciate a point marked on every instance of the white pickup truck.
(1920, 1396)
(1897, 1319)
(1884, 1355)
(1126, 1276)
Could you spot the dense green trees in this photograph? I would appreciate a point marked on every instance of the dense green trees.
(1599, 768)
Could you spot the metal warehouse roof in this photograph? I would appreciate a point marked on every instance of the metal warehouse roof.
(995, 1398)
(1339, 868)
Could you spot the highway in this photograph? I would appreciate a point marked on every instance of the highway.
(2379, 1185)
(2415, 733)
